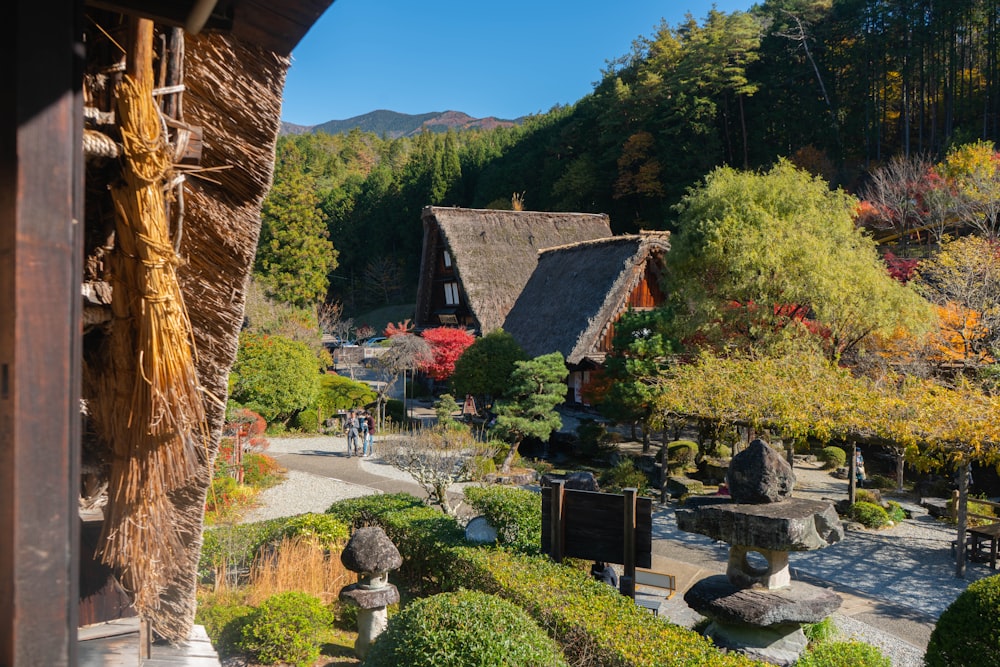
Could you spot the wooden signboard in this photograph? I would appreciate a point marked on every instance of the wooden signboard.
(610, 527)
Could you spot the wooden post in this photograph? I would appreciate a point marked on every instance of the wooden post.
(557, 494)
(41, 266)
(963, 514)
(627, 584)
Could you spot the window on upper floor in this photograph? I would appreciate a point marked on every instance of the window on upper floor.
(446, 257)
(451, 294)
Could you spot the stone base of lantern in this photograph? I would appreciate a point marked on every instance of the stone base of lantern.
(765, 624)
(372, 614)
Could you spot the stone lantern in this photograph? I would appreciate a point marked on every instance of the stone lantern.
(758, 609)
(372, 555)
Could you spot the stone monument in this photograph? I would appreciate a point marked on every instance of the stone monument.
(371, 554)
(756, 608)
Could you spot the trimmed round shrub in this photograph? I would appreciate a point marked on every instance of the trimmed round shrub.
(968, 631)
(306, 421)
(681, 454)
(223, 624)
(832, 457)
(515, 513)
(880, 482)
(464, 628)
(287, 627)
(843, 654)
(869, 515)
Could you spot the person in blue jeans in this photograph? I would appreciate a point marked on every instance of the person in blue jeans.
(363, 433)
(370, 423)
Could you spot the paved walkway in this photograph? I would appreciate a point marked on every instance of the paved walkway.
(894, 582)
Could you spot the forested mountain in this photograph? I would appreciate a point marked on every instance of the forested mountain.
(394, 125)
(839, 88)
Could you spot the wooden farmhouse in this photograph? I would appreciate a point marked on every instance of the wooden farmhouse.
(576, 294)
(475, 263)
(139, 148)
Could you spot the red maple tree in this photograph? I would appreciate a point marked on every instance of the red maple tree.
(447, 345)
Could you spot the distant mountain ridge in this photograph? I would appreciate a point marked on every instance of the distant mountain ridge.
(393, 125)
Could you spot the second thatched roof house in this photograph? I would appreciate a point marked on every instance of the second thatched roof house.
(475, 262)
(576, 294)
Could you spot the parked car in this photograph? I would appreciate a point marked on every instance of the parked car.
(375, 341)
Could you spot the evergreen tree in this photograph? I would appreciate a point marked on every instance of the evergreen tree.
(294, 253)
(527, 410)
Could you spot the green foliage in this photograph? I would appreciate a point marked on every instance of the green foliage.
(966, 632)
(338, 392)
(260, 471)
(485, 366)
(421, 534)
(832, 457)
(764, 256)
(286, 628)
(323, 529)
(593, 437)
(822, 631)
(294, 253)
(395, 411)
(459, 629)
(235, 546)
(681, 455)
(306, 421)
(224, 623)
(640, 350)
(445, 409)
(536, 387)
(869, 515)
(896, 512)
(594, 623)
(880, 482)
(515, 513)
(843, 654)
(274, 376)
(624, 475)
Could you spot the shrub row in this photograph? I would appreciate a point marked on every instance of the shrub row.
(593, 623)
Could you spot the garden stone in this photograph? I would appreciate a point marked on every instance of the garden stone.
(579, 480)
(759, 474)
(479, 531)
(372, 555)
(679, 486)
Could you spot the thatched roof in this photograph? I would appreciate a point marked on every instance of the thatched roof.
(232, 93)
(577, 292)
(495, 253)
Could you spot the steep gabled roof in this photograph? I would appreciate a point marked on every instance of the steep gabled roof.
(577, 291)
(495, 252)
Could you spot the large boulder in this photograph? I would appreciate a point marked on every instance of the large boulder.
(759, 474)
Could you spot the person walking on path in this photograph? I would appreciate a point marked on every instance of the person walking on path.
(370, 431)
(363, 432)
(351, 427)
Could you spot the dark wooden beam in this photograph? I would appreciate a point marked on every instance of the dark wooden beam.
(41, 197)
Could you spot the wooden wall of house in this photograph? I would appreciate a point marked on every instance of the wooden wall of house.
(646, 295)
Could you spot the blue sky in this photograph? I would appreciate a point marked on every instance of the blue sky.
(503, 59)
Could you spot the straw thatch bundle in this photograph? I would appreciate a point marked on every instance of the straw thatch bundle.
(158, 427)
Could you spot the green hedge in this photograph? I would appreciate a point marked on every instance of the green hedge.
(422, 534)
(515, 513)
(286, 628)
(589, 619)
(586, 617)
(843, 654)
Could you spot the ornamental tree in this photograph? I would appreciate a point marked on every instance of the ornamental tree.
(274, 376)
(447, 345)
(760, 255)
(527, 409)
(485, 366)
